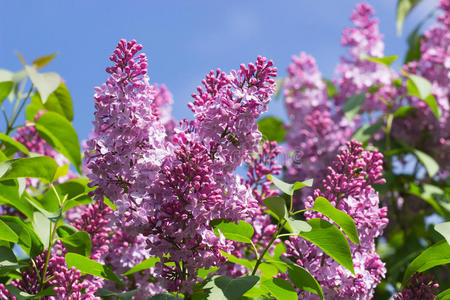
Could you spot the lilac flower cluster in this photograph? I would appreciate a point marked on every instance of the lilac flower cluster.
(66, 283)
(422, 130)
(356, 74)
(419, 286)
(316, 130)
(348, 186)
(168, 190)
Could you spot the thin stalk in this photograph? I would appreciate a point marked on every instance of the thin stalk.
(259, 261)
(16, 112)
(47, 258)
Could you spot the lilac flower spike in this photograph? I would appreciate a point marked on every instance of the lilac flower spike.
(419, 286)
(348, 186)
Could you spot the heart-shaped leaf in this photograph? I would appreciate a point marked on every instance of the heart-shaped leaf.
(241, 232)
(42, 167)
(227, 288)
(289, 188)
(46, 83)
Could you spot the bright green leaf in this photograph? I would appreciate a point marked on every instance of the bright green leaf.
(42, 167)
(88, 266)
(13, 144)
(418, 86)
(331, 240)
(7, 234)
(444, 295)
(203, 273)
(438, 254)
(278, 206)
(240, 261)
(297, 226)
(302, 279)
(146, 264)
(432, 104)
(444, 230)
(427, 161)
(65, 230)
(339, 217)
(403, 111)
(78, 242)
(5, 89)
(59, 133)
(241, 232)
(272, 129)
(387, 60)
(60, 101)
(227, 288)
(28, 239)
(11, 196)
(353, 104)
(42, 226)
(289, 188)
(331, 88)
(46, 83)
(404, 7)
(280, 288)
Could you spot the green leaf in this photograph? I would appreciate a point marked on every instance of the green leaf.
(438, 254)
(432, 104)
(387, 60)
(42, 167)
(7, 257)
(289, 188)
(5, 89)
(240, 261)
(331, 88)
(297, 226)
(339, 217)
(331, 240)
(13, 144)
(10, 195)
(444, 230)
(427, 161)
(46, 83)
(241, 232)
(427, 193)
(123, 296)
(42, 226)
(109, 203)
(79, 242)
(88, 266)
(60, 101)
(203, 273)
(365, 132)
(278, 206)
(404, 7)
(28, 239)
(403, 111)
(7, 234)
(444, 295)
(353, 104)
(302, 279)
(144, 265)
(65, 230)
(418, 86)
(280, 288)
(43, 60)
(272, 129)
(224, 287)
(60, 134)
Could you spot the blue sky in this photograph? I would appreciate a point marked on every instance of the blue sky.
(183, 39)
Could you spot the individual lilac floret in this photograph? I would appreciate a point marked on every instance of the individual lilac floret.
(5, 294)
(316, 130)
(419, 286)
(356, 74)
(348, 186)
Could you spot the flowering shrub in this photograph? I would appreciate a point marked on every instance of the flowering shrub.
(335, 204)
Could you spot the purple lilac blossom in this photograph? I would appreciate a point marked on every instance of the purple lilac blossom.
(316, 129)
(355, 74)
(419, 286)
(421, 129)
(169, 190)
(348, 186)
